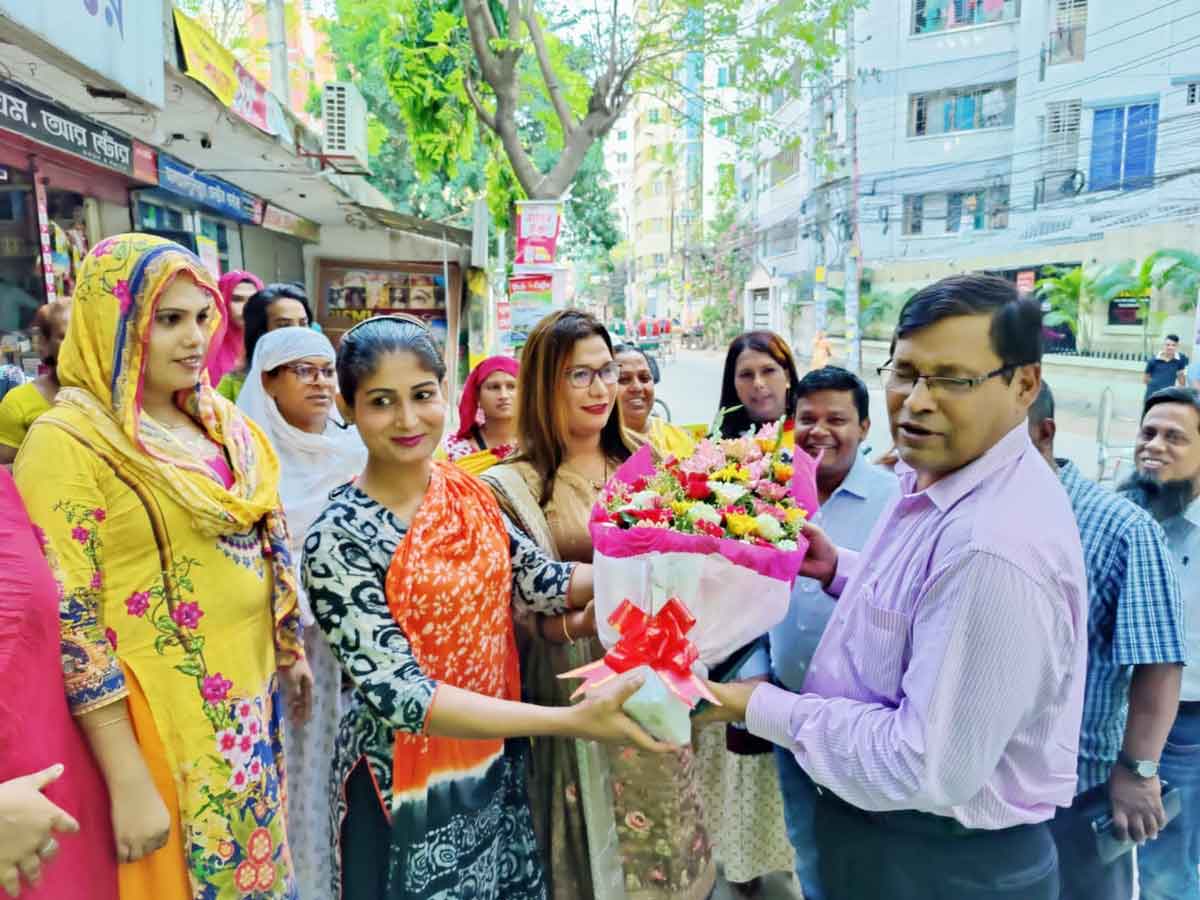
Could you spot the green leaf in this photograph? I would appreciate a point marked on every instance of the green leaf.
(190, 667)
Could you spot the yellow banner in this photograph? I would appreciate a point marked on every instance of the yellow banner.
(206, 60)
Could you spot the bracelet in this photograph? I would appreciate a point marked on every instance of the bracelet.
(566, 631)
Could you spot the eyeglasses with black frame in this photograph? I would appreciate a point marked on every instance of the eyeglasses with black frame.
(581, 377)
(904, 381)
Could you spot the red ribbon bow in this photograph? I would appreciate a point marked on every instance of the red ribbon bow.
(659, 641)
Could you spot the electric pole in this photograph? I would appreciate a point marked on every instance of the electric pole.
(277, 44)
(853, 247)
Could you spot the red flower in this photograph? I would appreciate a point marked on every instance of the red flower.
(639, 484)
(260, 845)
(659, 514)
(112, 637)
(266, 876)
(246, 876)
(215, 688)
(697, 486)
(137, 603)
(80, 534)
(710, 528)
(187, 615)
(99, 515)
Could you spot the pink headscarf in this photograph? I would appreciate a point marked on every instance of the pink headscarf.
(225, 351)
(468, 406)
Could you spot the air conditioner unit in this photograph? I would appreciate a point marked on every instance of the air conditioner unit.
(344, 113)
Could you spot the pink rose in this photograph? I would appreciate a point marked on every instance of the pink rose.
(215, 688)
(99, 515)
(80, 534)
(187, 615)
(137, 603)
(637, 822)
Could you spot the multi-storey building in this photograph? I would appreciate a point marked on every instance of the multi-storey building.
(998, 135)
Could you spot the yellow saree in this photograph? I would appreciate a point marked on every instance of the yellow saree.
(177, 589)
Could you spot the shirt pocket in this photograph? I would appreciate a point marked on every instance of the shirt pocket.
(879, 647)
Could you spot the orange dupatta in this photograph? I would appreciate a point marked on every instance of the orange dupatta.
(449, 588)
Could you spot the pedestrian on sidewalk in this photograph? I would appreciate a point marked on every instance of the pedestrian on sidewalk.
(1168, 369)
(1136, 653)
(940, 715)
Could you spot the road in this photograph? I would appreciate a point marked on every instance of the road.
(691, 387)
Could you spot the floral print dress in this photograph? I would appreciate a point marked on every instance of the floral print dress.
(182, 626)
(477, 838)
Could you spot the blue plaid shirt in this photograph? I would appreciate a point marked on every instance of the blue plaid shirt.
(1135, 613)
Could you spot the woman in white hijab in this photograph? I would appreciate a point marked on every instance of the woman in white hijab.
(289, 392)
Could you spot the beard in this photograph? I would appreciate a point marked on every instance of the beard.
(1162, 499)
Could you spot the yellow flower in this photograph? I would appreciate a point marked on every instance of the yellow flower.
(680, 507)
(795, 515)
(783, 472)
(731, 472)
(741, 524)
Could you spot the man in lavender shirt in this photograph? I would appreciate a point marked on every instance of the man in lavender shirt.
(940, 716)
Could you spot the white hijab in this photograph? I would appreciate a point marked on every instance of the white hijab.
(310, 465)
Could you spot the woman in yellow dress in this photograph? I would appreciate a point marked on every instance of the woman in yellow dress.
(158, 504)
(635, 394)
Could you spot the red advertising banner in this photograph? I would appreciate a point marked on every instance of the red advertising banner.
(538, 225)
(504, 316)
(145, 163)
(43, 223)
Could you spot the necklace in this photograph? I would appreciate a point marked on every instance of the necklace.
(596, 485)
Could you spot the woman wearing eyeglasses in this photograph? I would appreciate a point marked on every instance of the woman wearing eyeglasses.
(289, 392)
(275, 306)
(612, 822)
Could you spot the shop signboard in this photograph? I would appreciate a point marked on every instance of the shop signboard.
(276, 219)
(145, 163)
(43, 224)
(219, 196)
(354, 293)
(538, 224)
(210, 254)
(207, 61)
(119, 40)
(58, 127)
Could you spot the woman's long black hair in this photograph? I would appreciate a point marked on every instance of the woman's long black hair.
(738, 422)
(254, 313)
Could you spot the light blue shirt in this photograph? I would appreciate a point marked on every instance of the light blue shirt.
(848, 517)
(1183, 540)
(1193, 372)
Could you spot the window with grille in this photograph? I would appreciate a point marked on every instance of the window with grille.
(1068, 32)
(784, 165)
(975, 209)
(930, 16)
(1060, 139)
(962, 109)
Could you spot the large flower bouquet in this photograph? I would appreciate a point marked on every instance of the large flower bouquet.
(694, 559)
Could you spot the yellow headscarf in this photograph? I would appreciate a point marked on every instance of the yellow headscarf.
(101, 367)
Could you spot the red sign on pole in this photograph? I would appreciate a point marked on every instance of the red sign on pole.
(503, 316)
(538, 224)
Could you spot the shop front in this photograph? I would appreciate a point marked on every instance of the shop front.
(64, 185)
(203, 213)
(274, 251)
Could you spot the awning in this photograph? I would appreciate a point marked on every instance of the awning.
(415, 225)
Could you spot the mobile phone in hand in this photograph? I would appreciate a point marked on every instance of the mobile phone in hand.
(1107, 844)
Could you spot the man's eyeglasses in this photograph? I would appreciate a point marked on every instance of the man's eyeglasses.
(904, 381)
(581, 377)
(311, 374)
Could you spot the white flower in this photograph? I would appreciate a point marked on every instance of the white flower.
(727, 493)
(769, 527)
(787, 544)
(705, 512)
(645, 500)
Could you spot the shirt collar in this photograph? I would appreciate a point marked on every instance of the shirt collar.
(857, 481)
(949, 490)
(1192, 513)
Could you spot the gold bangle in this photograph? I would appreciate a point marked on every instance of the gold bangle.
(567, 631)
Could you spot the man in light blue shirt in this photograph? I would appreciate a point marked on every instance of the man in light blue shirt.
(1167, 483)
(832, 416)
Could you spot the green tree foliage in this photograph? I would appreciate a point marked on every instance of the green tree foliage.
(1070, 291)
(459, 68)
